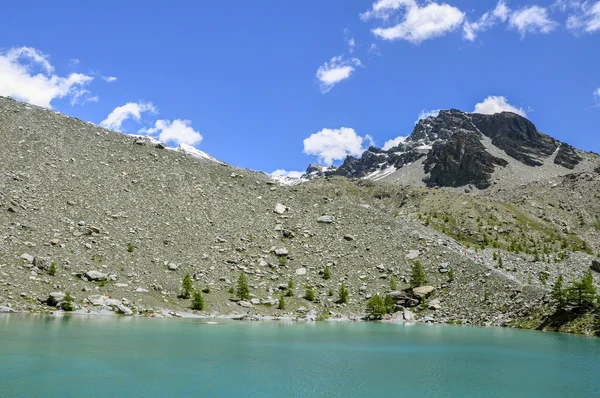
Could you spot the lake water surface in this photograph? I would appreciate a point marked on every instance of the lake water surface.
(78, 356)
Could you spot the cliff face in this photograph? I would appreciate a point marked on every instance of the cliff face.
(456, 149)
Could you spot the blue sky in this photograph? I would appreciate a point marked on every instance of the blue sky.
(279, 84)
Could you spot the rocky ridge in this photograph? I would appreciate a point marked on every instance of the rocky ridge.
(123, 220)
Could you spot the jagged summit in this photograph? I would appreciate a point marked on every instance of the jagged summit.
(456, 149)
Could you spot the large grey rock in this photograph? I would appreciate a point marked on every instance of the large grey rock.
(412, 254)
(119, 307)
(408, 315)
(301, 271)
(5, 310)
(55, 298)
(325, 219)
(96, 276)
(245, 304)
(173, 266)
(27, 257)
(423, 291)
(42, 262)
(97, 300)
(281, 252)
(280, 208)
(435, 304)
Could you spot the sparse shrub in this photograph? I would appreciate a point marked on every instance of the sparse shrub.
(323, 315)
(393, 285)
(198, 303)
(310, 293)
(389, 304)
(131, 248)
(282, 260)
(417, 275)
(187, 287)
(243, 291)
(451, 275)
(52, 270)
(290, 289)
(343, 294)
(330, 292)
(326, 273)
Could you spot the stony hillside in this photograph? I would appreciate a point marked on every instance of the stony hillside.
(458, 149)
(124, 219)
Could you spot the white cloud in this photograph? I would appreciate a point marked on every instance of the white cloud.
(597, 93)
(586, 19)
(533, 19)
(336, 70)
(83, 96)
(27, 75)
(334, 144)
(496, 104)
(177, 131)
(130, 110)
(427, 113)
(418, 23)
(389, 144)
(374, 50)
(109, 79)
(499, 14)
(285, 173)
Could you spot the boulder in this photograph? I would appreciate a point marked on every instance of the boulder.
(301, 271)
(42, 262)
(349, 238)
(173, 266)
(119, 307)
(423, 291)
(595, 266)
(4, 310)
(255, 301)
(96, 276)
(281, 252)
(435, 305)
(412, 254)
(97, 300)
(408, 315)
(27, 257)
(141, 290)
(325, 219)
(280, 208)
(245, 304)
(55, 298)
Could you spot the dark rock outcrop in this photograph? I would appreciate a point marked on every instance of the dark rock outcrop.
(567, 157)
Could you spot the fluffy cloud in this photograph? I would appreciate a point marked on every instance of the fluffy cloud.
(597, 93)
(109, 79)
(285, 173)
(177, 131)
(496, 104)
(417, 23)
(331, 73)
(27, 75)
(393, 142)
(334, 144)
(533, 19)
(130, 110)
(499, 14)
(586, 18)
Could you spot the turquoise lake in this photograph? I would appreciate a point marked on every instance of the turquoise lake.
(78, 356)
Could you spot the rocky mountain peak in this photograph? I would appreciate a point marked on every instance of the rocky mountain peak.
(455, 148)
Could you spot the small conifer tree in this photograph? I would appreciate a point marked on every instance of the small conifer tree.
(376, 307)
(310, 293)
(558, 293)
(389, 304)
(281, 304)
(417, 275)
(67, 303)
(326, 273)
(343, 294)
(187, 287)
(52, 270)
(198, 303)
(243, 291)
